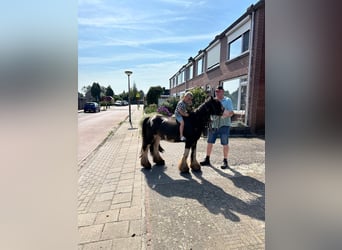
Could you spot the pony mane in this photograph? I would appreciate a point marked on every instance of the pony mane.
(200, 107)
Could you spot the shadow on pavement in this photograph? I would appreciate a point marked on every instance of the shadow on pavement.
(245, 182)
(211, 196)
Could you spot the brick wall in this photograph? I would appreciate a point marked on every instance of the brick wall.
(257, 81)
(238, 67)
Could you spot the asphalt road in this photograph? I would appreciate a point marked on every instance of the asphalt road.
(93, 128)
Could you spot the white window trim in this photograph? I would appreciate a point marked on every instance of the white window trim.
(202, 65)
(239, 29)
(215, 61)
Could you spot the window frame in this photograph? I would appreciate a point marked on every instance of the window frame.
(243, 46)
(213, 55)
(200, 70)
(240, 31)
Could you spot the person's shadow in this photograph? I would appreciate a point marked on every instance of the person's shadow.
(212, 197)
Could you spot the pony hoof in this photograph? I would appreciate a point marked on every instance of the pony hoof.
(147, 165)
(185, 171)
(160, 163)
(196, 169)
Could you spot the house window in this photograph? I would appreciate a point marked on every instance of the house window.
(245, 41)
(179, 78)
(213, 57)
(200, 66)
(238, 46)
(236, 90)
(190, 72)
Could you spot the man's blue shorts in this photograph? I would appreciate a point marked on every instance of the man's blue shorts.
(222, 132)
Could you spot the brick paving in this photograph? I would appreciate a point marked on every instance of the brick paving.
(122, 206)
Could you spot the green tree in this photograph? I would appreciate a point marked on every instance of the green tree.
(198, 97)
(234, 97)
(124, 96)
(153, 94)
(133, 93)
(109, 91)
(103, 91)
(96, 91)
(86, 89)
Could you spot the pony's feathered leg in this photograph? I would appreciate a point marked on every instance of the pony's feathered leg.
(194, 165)
(155, 151)
(146, 140)
(144, 157)
(183, 165)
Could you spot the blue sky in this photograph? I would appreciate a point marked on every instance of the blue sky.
(152, 38)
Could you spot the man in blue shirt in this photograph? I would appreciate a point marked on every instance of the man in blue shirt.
(220, 126)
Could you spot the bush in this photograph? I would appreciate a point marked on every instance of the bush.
(164, 111)
(104, 103)
(199, 97)
(171, 104)
(152, 108)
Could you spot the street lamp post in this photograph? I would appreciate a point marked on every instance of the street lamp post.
(128, 73)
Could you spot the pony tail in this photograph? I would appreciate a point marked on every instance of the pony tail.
(144, 127)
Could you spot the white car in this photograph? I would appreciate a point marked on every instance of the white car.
(118, 103)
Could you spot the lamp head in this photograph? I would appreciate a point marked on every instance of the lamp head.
(127, 72)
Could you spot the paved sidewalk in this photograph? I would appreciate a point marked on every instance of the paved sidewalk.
(122, 206)
(111, 193)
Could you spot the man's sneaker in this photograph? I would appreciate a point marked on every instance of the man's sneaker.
(206, 162)
(183, 138)
(225, 164)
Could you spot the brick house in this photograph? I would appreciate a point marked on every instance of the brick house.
(235, 59)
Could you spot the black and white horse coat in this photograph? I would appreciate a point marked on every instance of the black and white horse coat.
(158, 127)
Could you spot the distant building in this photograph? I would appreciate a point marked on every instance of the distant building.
(235, 59)
(81, 101)
(162, 98)
(166, 92)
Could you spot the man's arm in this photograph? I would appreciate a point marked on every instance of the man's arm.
(227, 113)
(228, 108)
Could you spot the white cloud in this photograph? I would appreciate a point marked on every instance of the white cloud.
(140, 42)
(82, 60)
(151, 38)
(183, 3)
(90, 2)
(162, 40)
(132, 21)
(144, 76)
(101, 21)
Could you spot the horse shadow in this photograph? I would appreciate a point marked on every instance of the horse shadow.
(245, 182)
(211, 196)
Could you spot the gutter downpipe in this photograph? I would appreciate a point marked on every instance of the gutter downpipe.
(249, 66)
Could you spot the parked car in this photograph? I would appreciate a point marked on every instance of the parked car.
(124, 103)
(91, 107)
(118, 103)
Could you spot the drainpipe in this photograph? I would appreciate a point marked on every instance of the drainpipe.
(249, 66)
